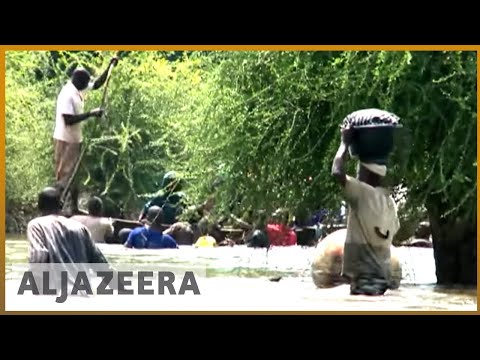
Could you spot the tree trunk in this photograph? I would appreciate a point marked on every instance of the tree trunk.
(454, 247)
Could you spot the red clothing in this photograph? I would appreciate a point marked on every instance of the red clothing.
(281, 235)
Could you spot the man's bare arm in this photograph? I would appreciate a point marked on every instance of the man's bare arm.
(338, 166)
(71, 119)
(102, 78)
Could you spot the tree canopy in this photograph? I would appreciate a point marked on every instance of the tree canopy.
(263, 125)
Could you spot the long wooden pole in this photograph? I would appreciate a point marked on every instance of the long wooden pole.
(85, 145)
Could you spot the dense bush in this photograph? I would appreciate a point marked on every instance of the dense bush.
(264, 122)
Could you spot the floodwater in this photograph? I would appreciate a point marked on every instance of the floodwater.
(241, 279)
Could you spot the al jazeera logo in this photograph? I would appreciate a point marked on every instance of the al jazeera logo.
(64, 280)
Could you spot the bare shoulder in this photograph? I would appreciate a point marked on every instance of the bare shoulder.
(73, 224)
(80, 218)
(106, 220)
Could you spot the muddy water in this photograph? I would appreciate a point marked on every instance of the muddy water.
(239, 278)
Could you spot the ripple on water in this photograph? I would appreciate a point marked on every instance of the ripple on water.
(244, 270)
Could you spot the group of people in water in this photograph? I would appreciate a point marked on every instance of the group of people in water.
(159, 225)
(362, 257)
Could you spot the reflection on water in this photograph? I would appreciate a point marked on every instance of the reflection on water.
(245, 272)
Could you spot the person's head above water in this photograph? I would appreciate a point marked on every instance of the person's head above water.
(155, 216)
(49, 201)
(95, 206)
(81, 78)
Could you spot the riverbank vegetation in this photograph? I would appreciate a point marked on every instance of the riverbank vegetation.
(263, 125)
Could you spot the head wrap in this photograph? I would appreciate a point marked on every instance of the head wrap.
(375, 168)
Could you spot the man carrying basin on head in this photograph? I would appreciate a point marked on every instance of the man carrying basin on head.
(372, 222)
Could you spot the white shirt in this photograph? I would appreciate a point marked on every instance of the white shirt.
(69, 101)
(370, 207)
(56, 239)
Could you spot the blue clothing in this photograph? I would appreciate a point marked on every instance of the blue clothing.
(145, 238)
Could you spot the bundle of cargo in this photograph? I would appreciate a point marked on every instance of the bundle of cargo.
(373, 135)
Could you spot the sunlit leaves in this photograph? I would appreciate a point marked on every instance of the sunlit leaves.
(262, 121)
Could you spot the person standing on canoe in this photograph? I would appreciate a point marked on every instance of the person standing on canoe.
(68, 132)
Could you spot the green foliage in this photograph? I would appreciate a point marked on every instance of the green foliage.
(266, 123)
(29, 126)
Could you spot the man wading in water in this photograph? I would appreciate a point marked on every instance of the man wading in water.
(372, 223)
